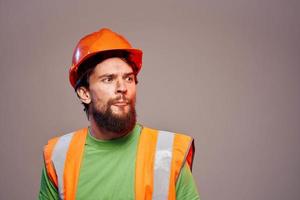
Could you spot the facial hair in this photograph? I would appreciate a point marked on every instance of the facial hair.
(110, 122)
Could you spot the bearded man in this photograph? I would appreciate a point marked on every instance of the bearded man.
(114, 157)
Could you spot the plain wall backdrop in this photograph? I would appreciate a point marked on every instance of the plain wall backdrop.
(225, 72)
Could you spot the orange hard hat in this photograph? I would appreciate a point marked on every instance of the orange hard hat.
(98, 42)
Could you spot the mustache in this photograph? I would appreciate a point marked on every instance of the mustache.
(119, 98)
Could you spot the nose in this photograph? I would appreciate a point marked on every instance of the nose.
(121, 87)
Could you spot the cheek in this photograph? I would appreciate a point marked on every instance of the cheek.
(132, 97)
(99, 99)
(132, 90)
(99, 92)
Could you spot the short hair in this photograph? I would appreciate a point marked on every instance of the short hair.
(87, 68)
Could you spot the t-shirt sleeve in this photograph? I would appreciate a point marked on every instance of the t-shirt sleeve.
(47, 190)
(186, 188)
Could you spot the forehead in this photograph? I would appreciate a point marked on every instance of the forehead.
(113, 65)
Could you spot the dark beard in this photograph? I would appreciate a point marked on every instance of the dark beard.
(112, 123)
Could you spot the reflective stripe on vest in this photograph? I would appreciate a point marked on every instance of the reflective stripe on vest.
(58, 158)
(160, 158)
(162, 165)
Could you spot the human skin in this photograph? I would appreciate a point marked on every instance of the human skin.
(111, 86)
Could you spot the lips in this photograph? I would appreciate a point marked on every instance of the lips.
(121, 103)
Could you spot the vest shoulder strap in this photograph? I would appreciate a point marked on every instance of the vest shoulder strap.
(63, 157)
(160, 158)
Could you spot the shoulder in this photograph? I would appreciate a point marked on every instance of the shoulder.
(175, 135)
(182, 145)
(179, 142)
(64, 138)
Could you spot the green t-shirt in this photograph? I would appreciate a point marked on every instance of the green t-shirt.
(107, 172)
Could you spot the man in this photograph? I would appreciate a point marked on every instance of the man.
(115, 157)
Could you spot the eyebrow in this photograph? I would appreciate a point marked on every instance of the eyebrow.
(128, 74)
(114, 75)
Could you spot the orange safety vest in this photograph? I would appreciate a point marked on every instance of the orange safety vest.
(160, 158)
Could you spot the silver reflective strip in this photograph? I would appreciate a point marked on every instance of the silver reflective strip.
(162, 165)
(58, 157)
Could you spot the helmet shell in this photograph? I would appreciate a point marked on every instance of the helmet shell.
(100, 42)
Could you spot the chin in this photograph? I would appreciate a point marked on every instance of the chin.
(119, 112)
(120, 115)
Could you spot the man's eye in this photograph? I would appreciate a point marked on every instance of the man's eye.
(129, 78)
(107, 79)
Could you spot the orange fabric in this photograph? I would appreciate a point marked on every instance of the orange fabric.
(101, 41)
(73, 163)
(144, 164)
(181, 147)
(48, 149)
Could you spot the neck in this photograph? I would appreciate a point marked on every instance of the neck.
(102, 134)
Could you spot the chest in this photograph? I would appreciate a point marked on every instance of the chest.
(107, 174)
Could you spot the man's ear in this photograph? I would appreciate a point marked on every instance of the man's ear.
(84, 95)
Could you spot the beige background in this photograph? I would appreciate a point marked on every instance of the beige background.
(225, 72)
